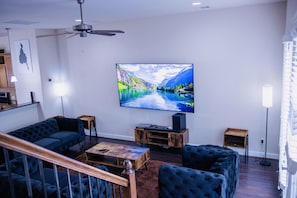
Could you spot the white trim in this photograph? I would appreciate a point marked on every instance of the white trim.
(240, 151)
(115, 136)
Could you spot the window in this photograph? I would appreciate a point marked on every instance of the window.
(288, 130)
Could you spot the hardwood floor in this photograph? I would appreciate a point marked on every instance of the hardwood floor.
(256, 181)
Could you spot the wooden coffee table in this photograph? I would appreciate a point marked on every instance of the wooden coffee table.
(111, 154)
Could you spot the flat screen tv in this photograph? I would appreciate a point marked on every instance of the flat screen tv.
(156, 86)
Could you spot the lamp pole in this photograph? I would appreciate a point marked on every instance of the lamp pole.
(62, 104)
(60, 88)
(266, 102)
(265, 162)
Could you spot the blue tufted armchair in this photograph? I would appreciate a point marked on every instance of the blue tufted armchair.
(207, 171)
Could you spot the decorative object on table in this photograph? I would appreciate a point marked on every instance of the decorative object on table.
(266, 102)
(32, 97)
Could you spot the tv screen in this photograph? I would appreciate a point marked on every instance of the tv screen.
(156, 86)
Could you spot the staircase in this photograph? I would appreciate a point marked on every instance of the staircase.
(79, 179)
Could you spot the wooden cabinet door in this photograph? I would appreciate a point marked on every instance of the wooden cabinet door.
(3, 79)
(9, 73)
(140, 136)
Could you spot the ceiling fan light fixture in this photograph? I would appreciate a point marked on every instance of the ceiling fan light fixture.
(196, 3)
(83, 34)
(83, 27)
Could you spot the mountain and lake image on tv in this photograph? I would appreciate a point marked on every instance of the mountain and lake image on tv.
(167, 87)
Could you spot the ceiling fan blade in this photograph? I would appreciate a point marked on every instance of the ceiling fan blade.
(102, 33)
(55, 34)
(106, 32)
(73, 35)
(109, 31)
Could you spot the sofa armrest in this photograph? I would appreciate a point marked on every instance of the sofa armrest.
(187, 182)
(228, 165)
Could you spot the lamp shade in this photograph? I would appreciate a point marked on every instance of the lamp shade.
(267, 95)
(13, 79)
(60, 89)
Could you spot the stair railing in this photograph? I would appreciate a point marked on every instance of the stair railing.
(121, 186)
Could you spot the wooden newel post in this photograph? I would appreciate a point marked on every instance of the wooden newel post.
(130, 174)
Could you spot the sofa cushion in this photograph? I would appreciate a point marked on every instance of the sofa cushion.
(49, 143)
(65, 136)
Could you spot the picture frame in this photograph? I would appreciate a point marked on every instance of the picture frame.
(23, 53)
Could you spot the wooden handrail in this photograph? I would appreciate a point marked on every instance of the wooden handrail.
(30, 149)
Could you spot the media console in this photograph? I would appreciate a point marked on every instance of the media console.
(161, 136)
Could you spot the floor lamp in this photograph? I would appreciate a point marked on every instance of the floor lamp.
(266, 102)
(60, 91)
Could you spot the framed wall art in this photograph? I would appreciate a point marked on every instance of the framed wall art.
(23, 56)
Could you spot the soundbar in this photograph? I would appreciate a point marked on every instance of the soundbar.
(156, 127)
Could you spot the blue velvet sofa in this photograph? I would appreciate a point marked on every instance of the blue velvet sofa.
(56, 134)
(207, 171)
(99, 187)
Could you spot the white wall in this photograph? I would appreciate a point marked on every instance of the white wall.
(20, 117)
(50, 72)
(27, 81)
(235, 52)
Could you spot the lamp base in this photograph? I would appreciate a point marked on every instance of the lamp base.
(265, 163)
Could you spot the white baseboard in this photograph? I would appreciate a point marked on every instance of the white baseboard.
(240, 151)
(115, 136)
(253, 153)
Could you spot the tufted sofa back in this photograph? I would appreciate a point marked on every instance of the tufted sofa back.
(37, 131)
(200, 157)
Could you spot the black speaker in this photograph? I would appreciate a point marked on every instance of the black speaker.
(178, 121)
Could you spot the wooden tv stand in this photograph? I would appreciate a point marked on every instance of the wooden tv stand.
(165, 138)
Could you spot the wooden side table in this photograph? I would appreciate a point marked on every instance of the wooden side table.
(89, 122)
(237, 138)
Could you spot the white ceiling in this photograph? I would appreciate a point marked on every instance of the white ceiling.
(62, 13)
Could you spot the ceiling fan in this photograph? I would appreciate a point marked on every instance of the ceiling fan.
(83, 29)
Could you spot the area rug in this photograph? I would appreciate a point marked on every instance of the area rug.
(146, 178)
